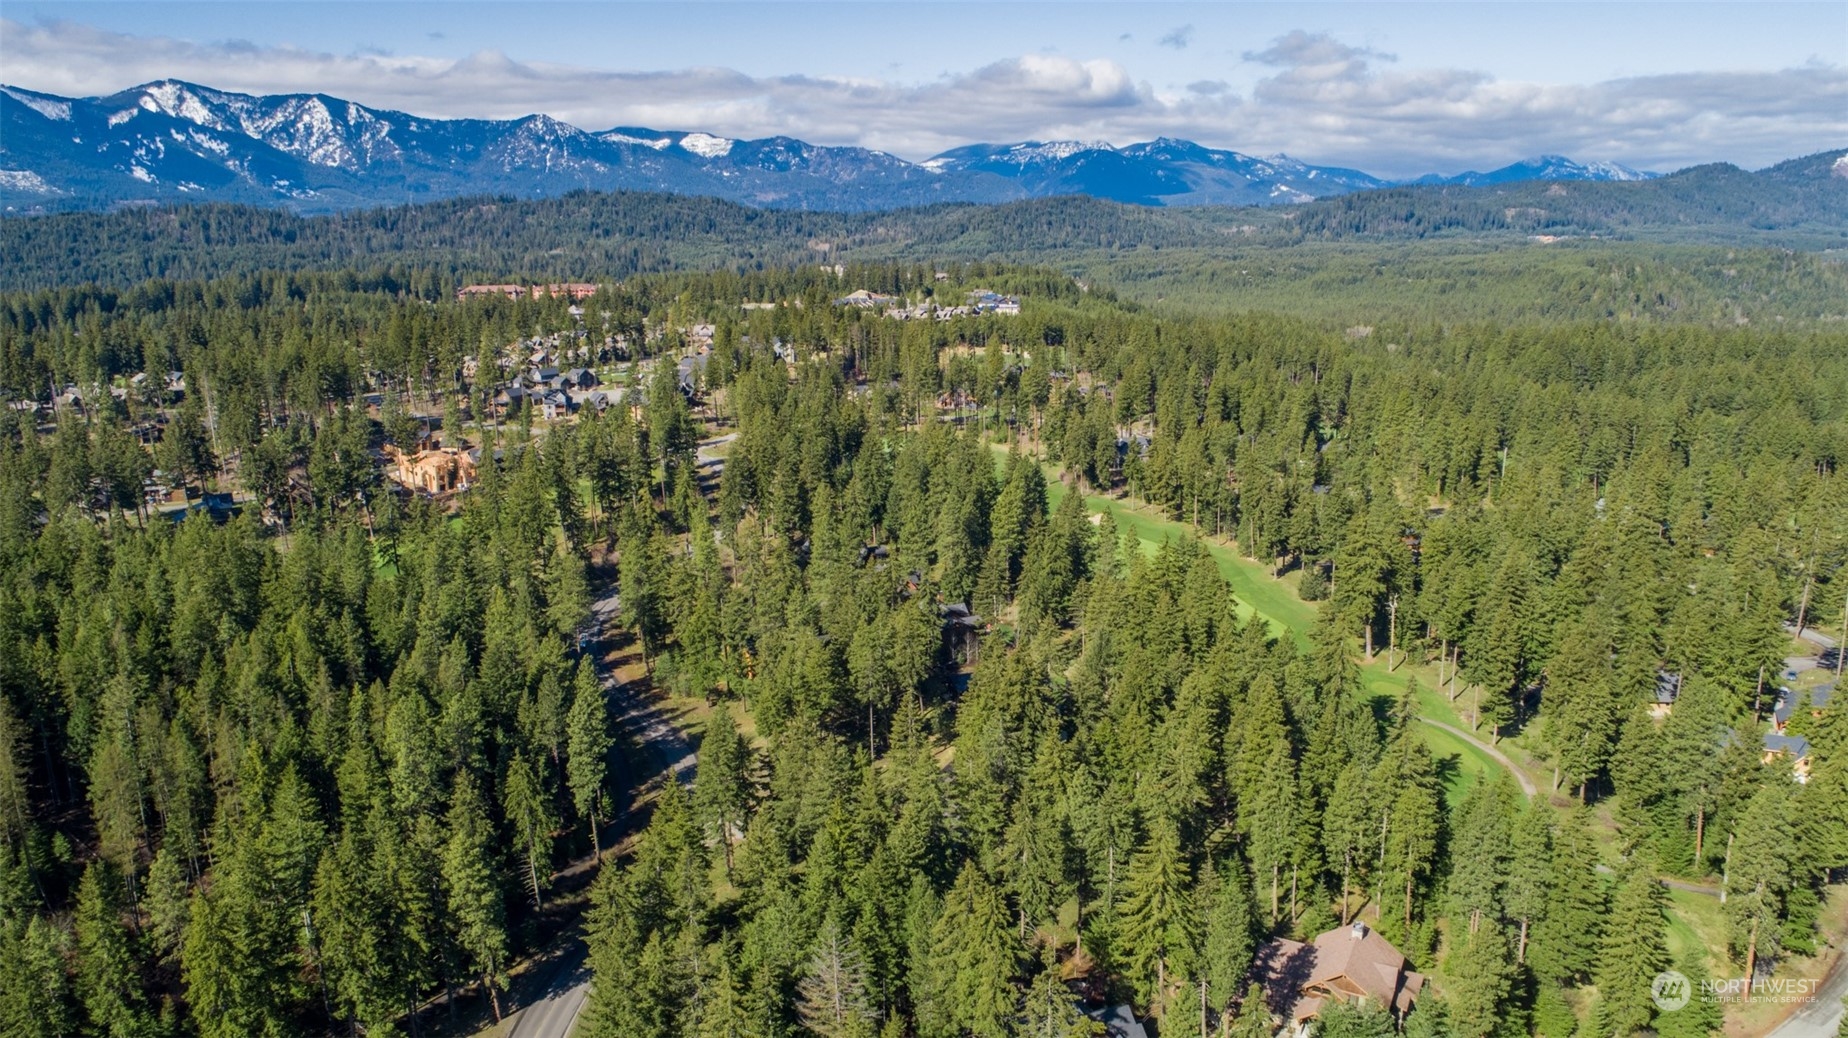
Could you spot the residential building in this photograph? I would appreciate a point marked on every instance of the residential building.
(1351, 964)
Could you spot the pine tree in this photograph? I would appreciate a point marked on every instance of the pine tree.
(1261, 726)
(1583, 713)
(1034, 854)
(672, 862)
(167, 899)
(475, 909)
(1340, 1019)
(1156, 939)
(233, 963)
(15, 803)
(1633, 951)
(1703, 1016)
(1050, 1010)
(36, 1002)
(1270, 820)
(587, 749)
(1691, 739)
(529, 812)
(1479, 852)
(722, 783)
(1482, 972)
(662, 985)
(1228, 923)
(567, 593)
(722, 1013)
(1565, 945)
(1528, 891)
(1254, 1017)
(353, 929)
(974, 957)
(1500, 659)
(108, 977)
(831, 996)
(1413, 816)
(615, 932)
(1349, 830)
(1553, 1015)
(1759, 876)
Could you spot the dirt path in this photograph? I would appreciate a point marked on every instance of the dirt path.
(1520, 775)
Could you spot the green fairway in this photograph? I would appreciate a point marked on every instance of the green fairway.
(1257, 591)
(1251, 581)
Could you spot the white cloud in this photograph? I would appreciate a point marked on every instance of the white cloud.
(1319, 99)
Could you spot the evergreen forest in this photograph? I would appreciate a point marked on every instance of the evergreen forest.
(1022, 664)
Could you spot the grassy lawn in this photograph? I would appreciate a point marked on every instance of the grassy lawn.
(1464, 765)
(1694, 921)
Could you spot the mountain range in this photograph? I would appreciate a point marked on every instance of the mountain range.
(171, 141)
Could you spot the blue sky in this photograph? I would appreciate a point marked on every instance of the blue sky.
(1394, 88)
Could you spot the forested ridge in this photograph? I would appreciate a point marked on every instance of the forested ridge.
(1708, 245)
(613, 234)
(305, 771)
(1802, 198)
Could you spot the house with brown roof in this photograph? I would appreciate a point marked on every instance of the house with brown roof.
(477, 291)
(1351, 964)
(572, 289)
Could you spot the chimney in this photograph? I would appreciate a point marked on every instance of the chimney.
(1359, 931)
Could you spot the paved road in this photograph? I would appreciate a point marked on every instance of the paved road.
(557, 1009)
(1816, 638)
(1527, 784)
(665, 752)
(703, 457)
(1821, 1017)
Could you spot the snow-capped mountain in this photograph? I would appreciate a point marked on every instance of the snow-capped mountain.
(1543, 167)
(1164, 171)
(171, 141)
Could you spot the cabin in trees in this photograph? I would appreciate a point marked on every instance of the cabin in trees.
(1667, 690)
(962, 631)
(864, 299)
(219, 508)
(983, 301)
(1347, 964)
(477, 291)
(574, 290)
(434, 472)
(690, 372)
(1792, 750)
(1788, 705)
(1118, 1020)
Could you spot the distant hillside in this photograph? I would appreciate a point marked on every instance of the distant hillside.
(1802, 203)
(1195, 259)
(581, 234)
(170, 141)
